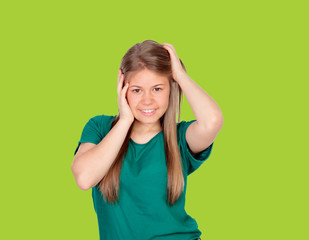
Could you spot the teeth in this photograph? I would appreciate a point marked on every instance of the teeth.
(147, 111)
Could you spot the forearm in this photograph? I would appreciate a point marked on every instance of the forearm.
(205, 109)
(93, 165)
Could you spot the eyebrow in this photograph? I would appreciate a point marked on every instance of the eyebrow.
(152, 86)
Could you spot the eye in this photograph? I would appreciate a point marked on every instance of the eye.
(158, 88)
(135, 90)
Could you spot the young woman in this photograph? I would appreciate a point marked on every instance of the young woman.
(137, 161)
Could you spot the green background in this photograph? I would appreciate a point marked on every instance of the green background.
(59, 63)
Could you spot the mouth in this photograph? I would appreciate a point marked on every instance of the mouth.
(148, 112)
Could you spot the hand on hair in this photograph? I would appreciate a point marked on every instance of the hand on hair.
(177, 68)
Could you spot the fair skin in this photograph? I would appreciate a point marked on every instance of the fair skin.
(88, 167)
(209, 118)
(147, 90)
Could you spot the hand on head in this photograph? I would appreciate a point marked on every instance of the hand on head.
(124, 108)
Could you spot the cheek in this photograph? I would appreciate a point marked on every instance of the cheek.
(164, 100)
(131, 100)
(167, 98)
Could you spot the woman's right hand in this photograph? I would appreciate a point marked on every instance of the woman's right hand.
(124, 108)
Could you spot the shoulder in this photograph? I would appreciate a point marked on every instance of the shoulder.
(102, 119)
(101, 123)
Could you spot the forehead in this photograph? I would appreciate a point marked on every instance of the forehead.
(146, 78)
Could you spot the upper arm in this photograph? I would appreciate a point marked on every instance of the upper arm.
(84, 147)
(199, 138)
(95, 130)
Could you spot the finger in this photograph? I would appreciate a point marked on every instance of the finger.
(118, 75)
(120, 82)
(125, 88)
(167, 44)
(169, 47)
(123, 93)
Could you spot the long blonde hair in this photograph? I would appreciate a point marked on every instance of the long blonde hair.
(151, 55)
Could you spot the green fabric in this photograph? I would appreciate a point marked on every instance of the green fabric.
(142, 211)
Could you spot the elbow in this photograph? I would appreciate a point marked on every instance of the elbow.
(218, 122)
(82, 185)
(80, 182)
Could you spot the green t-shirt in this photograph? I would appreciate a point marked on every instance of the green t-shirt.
(142, 212)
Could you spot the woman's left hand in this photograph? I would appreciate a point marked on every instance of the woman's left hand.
(177, 68)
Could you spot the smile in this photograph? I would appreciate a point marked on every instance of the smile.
(148, 112)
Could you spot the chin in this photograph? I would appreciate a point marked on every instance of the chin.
(145, 120)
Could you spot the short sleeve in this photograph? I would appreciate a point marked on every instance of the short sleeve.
(95, 130)
(191, 163)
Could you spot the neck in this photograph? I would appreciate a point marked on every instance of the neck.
(144, 128)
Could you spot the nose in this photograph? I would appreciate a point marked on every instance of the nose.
(147, 99)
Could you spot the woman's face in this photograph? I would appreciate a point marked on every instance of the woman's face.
(148, 91)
